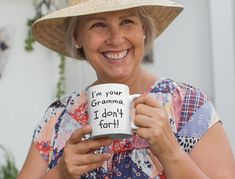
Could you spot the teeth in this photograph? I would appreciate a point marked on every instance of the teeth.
(115, 55)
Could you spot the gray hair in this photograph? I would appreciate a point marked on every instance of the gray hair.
(71, 24)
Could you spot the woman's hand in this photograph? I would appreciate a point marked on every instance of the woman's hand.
(153, 125)
(78, 157)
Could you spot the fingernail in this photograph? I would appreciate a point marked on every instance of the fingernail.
(87, 127)
(108, 155)
(109, 140)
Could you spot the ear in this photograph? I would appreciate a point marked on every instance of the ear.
(77, 41)
(144, 30)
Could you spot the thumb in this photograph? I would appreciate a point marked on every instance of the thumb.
(78, 134)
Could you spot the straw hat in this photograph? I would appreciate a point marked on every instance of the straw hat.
(50, 31)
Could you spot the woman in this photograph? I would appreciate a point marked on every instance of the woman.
(179, 134)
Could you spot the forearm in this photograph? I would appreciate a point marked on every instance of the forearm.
(179, 165)
(54, 173)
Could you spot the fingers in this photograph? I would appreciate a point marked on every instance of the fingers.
(140, 120)
(91, 158)
(78, 156)
(79, 146)
(149, 113)
(84, 163)
(79, 170)
(148, 100)
(77, 135)
(143, 109)
(91, 145)
(147, 105)
(143, 133)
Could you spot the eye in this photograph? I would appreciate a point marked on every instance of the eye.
(98, 25)
(126, 22)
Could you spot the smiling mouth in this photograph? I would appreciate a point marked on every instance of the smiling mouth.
(116, 55)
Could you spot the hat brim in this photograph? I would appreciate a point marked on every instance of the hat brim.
(50, 31)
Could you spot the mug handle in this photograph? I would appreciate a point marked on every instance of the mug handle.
(131, 99)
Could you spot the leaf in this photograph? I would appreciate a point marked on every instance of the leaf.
(8, 169)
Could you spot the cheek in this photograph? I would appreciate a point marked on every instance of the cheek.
(138, 41)
(140, 38)
(137, 36)
(92, 43)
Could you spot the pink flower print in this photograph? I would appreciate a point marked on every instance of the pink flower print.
(44, 148)
(120, 146)
(80, 114)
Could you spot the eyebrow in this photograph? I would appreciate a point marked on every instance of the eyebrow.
(129, 15)
(104, 19)
(95, 18)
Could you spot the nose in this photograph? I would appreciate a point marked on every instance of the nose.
(115, 36)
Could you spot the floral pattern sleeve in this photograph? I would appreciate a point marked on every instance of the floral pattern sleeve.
(43, 132)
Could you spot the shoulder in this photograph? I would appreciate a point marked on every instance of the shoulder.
(179, 93)
(66, 102)
(167, 85)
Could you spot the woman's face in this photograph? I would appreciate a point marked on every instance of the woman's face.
(113, 43)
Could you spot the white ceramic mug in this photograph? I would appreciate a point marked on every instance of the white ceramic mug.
(109, 110)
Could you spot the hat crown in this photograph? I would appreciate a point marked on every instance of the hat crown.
(74, 2)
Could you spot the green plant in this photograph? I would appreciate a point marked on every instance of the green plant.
(40, 6)
(8, 169)
(29, 41)
(61, 82)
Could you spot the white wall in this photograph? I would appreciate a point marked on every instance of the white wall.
(27, 85)
(223, 46)
(184, 52)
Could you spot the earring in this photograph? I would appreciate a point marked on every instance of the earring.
(77, 46)
(144, 37)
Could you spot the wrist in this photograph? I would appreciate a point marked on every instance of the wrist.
(178, 164)
(55, 173)
(173, 157)
(61, 170)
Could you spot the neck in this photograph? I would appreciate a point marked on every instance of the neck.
(143, 82)
(138, 83)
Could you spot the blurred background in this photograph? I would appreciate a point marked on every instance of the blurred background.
(197, 48)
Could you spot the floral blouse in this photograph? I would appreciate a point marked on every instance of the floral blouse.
(190, 115)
